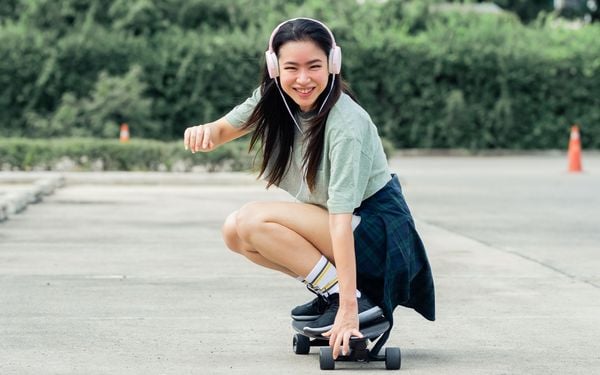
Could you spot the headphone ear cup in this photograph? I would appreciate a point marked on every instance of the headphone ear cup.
(335, 60)
(272, 64)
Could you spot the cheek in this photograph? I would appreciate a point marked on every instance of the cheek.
(323, 80)
(285, 79)
(322, 77)
(287, 87)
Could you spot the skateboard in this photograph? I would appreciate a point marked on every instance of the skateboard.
(359, 351)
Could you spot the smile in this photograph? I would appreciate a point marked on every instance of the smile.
(304, 91)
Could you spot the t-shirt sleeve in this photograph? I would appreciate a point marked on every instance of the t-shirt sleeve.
(345, 187)
(241, 113)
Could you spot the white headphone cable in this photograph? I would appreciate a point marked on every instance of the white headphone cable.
(304, 169)
(286, 106)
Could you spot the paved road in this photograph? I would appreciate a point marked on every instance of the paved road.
(528, 206)
(126, 274)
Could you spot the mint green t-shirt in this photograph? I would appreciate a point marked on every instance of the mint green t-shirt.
(353, 166)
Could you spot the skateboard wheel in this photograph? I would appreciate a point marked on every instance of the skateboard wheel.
(326, 358)
(301, 344)
(393, 359)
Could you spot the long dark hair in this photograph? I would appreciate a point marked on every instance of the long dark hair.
(274, 127)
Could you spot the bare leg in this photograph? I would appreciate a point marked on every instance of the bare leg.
(288, 237)
(236, 244)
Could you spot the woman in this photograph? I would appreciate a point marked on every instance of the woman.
(350, 237)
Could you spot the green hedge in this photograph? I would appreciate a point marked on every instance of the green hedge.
(429, 79)
(456, 88)
(84, 154)
(87, 154)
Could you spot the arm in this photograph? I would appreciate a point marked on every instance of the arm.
(342, 241)
(209, 136)
(346, 321)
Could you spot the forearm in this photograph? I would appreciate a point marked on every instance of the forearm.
(342, 240)
(207, 137)
(216, 131)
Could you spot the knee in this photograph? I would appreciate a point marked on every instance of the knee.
(249, 219)
(229, 232)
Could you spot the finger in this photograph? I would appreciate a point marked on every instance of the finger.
(346, 343)
(338, 343)
(199, 137)
(192, 139)
(186, 138)
(206, 140)
(357, 333)
(331, 339)
(336, 349)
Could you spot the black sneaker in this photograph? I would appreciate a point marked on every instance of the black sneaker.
(367, 311)
(310, 310)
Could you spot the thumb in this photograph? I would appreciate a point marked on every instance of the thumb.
(357, 333)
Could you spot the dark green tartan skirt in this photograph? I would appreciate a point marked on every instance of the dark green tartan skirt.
(391, 262)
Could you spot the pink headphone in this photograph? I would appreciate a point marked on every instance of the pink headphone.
(334, 58)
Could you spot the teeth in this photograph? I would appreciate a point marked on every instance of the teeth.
(304, 91)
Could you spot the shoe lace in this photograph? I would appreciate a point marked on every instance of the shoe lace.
(321, 299)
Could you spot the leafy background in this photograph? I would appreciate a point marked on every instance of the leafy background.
(430, 76)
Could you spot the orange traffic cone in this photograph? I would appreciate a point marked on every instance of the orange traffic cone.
(575, 150)
(124, 135)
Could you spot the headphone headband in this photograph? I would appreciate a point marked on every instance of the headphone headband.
(334, 58)
(333, 45)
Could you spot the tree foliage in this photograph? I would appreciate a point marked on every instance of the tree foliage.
(429, 78)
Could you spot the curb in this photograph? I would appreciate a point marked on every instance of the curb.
(135, 178)
(162, 178)
(14, 202)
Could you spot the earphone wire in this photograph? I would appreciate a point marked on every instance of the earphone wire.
(288, 107)
(328, 93)
(304, 168)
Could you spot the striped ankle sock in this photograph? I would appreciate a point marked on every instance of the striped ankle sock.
(323, 278)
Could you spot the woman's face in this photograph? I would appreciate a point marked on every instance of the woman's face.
(303, 72)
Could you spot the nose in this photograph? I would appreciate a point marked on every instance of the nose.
(303, 76)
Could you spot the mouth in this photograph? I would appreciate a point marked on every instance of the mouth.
(304, 91)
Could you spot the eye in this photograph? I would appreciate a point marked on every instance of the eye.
(290, 68)
(316, 67)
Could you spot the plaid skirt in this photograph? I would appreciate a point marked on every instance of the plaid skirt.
(391, 262)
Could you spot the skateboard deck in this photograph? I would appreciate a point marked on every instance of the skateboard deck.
(370, 330)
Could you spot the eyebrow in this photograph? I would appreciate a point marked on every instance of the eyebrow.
(308, 63)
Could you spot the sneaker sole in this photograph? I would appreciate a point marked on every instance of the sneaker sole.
(364, 317)
(305, 318)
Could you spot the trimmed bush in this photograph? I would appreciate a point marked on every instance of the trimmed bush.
(430, 79)
(86, 154)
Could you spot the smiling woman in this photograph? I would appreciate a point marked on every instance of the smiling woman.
(350, 237)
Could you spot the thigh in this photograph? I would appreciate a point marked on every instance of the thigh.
(309, 221)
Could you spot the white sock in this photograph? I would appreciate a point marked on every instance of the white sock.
(323, 278)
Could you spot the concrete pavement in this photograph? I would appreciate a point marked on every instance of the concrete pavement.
(127, 274)
(18, 190)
